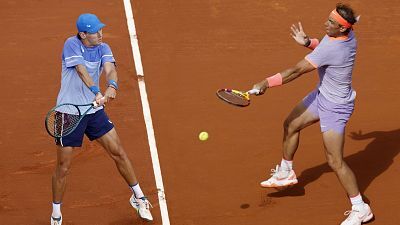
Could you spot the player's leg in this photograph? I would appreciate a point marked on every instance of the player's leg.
(65, 147)
(102, 130)
(333, 120)
(299, 118)
(303, 115)
(112, 144)
(59, 180)
(334, 143)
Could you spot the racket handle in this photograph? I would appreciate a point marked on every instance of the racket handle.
(253, 91)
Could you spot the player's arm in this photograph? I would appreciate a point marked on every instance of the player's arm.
(88, 81)
(285, 76)
(112, 79)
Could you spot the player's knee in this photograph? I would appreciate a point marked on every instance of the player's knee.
(286, 124)
(289, 126)
(335, 163)
(62, 169)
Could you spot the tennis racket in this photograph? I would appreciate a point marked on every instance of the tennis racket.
(235, 97)
(64, 118)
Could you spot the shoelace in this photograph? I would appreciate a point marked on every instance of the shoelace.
(350, 214)
(274, 172)
(146, 202)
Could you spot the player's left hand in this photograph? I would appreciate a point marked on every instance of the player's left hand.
(110, 94)
(299, 35)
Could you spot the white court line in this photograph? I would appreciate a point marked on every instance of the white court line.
(146, 113)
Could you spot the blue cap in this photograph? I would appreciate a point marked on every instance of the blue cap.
(89, 23)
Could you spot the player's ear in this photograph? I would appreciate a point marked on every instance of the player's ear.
(342, 29)
(82, 35)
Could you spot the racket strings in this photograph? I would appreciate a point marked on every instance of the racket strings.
(60, 122)
(234, 97)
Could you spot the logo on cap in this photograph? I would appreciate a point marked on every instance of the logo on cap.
(89, 23)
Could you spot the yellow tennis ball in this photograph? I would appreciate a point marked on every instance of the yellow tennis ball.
(203, 136)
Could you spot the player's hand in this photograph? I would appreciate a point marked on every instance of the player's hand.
(298, 35)
(110, 94)
(100, 100)
(262, 86)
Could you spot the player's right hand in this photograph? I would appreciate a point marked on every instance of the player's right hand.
(262, 86)
(100, 100)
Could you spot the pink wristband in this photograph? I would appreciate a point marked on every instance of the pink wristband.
(275, 80)
(313, 43)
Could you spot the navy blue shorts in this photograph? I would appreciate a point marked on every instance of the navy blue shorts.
(93, 125)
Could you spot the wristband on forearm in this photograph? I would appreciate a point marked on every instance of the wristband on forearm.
(275, 80)
(312, 43)
(94, 89)
(113, 84)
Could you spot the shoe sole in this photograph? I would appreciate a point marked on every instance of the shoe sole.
(369, 218)
(279, 186)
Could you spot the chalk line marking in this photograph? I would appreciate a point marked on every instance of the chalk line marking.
(146, 112)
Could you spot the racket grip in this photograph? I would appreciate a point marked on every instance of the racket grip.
(253, 91)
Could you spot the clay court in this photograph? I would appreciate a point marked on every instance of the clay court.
(189, 49)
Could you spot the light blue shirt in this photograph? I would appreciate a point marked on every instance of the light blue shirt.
(73, 90)
(335, 59)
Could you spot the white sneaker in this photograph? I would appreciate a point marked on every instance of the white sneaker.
(55, 221)
(280, 178)
(142, 206)
(358, 215)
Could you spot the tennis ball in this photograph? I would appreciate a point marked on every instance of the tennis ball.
(203, 136)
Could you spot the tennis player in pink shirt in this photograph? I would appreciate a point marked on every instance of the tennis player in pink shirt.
(331, 103)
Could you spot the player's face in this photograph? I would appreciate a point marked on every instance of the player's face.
(332, 28)
(95, 38)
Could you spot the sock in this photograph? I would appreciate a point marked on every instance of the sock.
(56, 210)
(286, 164)
(356, 200)
(137, 191)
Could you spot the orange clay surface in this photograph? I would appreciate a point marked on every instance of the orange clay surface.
(191, 48)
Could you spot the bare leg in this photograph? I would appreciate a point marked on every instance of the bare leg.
(111, 143)
(297, 120)
(59, 179)
(334, 144)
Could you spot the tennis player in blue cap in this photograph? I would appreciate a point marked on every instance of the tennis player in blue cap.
(84, 58)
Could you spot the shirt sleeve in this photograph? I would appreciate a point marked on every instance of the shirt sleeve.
(106, 54)
(321, 56)
(72, 53)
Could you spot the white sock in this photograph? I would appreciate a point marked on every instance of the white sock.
(56, 210)
(356, 200)
(286, 164)
(137, 191)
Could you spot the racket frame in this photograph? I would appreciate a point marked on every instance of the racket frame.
(92, 105)
(244, 95)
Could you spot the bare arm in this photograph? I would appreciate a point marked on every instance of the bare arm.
(87, 80)
(111, 74)
(288, 75)
(84, 75)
